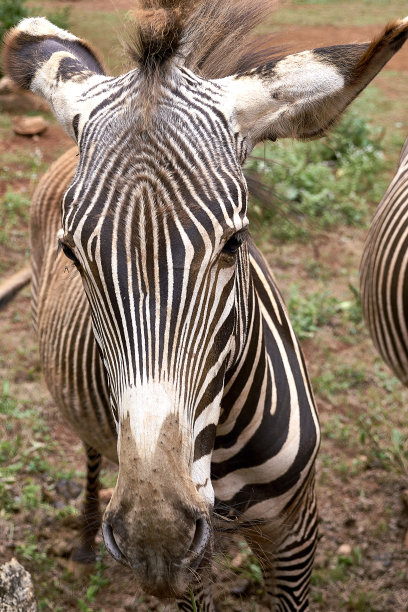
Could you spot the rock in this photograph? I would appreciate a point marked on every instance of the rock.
(237, 560)
(344, 550)
(29, 126)
(375, 570)
(406, 540)
(16, 588)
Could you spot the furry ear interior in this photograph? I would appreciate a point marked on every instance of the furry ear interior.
(53, 63)
(302, 95)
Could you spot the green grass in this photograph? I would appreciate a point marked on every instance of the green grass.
(14, 209)
(334, 381)
(20, 165)
(97, 580)
(24, 450)
(309, 312)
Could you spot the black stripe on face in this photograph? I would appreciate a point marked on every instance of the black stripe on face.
(204, 442)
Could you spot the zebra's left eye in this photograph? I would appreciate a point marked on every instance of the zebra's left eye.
(232, 245)
(67, 252)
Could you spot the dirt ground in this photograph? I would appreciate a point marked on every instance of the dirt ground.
(364, 520)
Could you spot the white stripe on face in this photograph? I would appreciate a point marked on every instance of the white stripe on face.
(148, 407)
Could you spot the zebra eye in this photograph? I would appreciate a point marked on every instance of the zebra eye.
(232, 245)
(67, 252)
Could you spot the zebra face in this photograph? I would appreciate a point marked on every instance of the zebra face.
(155, 221)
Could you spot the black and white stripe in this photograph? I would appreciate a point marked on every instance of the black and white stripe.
(384, 273)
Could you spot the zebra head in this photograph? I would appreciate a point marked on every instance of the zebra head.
(156, 222)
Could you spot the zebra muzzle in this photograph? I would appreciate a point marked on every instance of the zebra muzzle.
(163, 555)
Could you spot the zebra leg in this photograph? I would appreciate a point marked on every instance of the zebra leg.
(91, 514)
(286, 549)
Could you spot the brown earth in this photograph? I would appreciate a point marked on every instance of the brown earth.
(299, 38)
(352, 509)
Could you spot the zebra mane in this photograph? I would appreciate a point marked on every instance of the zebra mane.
(211, 37)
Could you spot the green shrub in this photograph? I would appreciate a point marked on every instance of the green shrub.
(11, 11)
(314, 310)
(318, 185)
(311, 312)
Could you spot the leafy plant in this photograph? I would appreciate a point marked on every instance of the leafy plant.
(318, 185)
(30, 552)
(11, 11)
(341, 379)
(311, 312)
(250, 568)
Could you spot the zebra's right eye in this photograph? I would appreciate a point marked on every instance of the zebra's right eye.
(232, 245)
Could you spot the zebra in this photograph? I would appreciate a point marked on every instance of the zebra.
(163, 337)
(383, 273)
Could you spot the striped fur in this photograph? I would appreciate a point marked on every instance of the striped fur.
(383, 273)
(253, 494)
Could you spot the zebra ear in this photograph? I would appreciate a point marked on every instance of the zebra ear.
(53, 63)
(302, 95)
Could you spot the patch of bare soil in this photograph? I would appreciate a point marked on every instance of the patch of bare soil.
(299, 38)
(94, 5)
(53, 140)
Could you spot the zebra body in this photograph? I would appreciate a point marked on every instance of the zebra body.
(383, 273)
(166, 343)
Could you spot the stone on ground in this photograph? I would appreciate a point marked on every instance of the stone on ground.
(16, 588)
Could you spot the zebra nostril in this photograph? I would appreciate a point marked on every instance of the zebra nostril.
(200, 539)
(111, 544)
